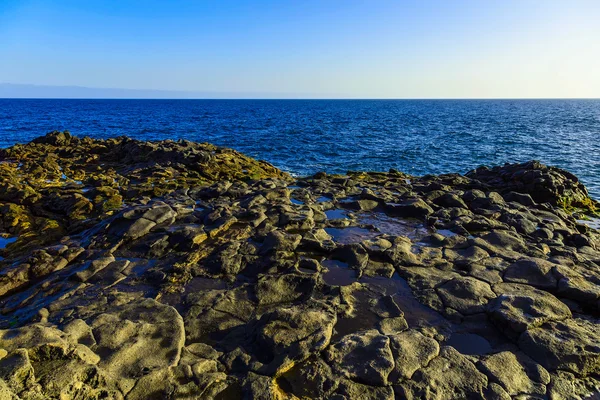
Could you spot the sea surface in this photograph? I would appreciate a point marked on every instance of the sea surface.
(306, 136)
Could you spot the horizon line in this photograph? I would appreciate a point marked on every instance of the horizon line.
(299, 98)
(14, 91)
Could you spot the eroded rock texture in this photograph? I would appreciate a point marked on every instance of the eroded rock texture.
(175, 270)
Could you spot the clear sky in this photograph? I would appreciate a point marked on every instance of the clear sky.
(315, 48)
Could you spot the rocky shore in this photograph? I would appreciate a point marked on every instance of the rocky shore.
(178, 270)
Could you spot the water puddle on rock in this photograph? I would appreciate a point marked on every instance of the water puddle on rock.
(324, 199)
(4, 241)
(336, 214)
(413, 229)
(446, 233)
(297, 202)
(591, 223)
(469, 344)
(351, 234)
(375, 289)
(415, 313)
(338, 274)
(387, 286)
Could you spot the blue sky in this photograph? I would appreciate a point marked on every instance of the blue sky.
(327, 48)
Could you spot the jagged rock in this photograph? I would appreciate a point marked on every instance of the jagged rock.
(216, 312)
(522, 198)
(575, 286)
(261, 387)
(392, 325)
(44, 363)
(16, 370)
(363, 357)
(532, 271)
(544, 184)
(506, 240)
(450, 200)
(522, 307)
(310, 379)
(55, 138)
(412, 351)
(30, 336)
(290, 335)
(565, 385)
(80, 332)
(280, 241)
(227, 260)
(571, 345)
(449, 376)
(516, 373)
(160, 213)
(93, 268)
(401, 252)
(139, 228)
(352, 390)
(466, 295)
(353, 254)
(410, 208)
(284, 289)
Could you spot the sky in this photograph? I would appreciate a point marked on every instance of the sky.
(309, 48)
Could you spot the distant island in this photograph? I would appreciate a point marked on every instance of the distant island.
(18, 91)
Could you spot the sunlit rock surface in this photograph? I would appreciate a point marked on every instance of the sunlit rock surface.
(176, 270)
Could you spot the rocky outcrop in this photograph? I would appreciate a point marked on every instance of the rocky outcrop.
(59, 183)
(531, 182)
(176, 270)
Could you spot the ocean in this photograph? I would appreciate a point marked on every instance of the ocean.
(306, 136)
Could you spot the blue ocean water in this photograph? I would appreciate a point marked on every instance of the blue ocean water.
(306, 136)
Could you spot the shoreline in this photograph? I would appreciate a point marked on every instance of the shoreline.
(165, 269)
(413, 137)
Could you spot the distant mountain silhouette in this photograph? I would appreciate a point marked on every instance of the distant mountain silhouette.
(10, 90)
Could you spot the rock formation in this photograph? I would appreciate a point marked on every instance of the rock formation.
(177, 270)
